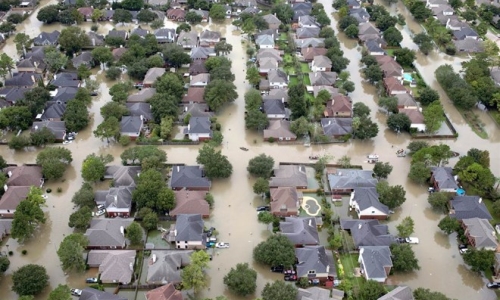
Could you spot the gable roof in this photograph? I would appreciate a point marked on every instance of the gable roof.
(13, 94)
(131, 124)
(142, 96)
(269, 53)
(189, 227)
(373, 46)
(190, 202)
(322, 61)
(115, 198)
(286, 197)
(23, 79)
(310, 52)
(469, 45)
(351, 178)
(271, 19)
(309, 42)
(308, 20)
(268, 63)
(118, 33)
(140, 109)
(289, 175)
(465, 32)
(58, 128)
(467, 207)
(339, 103)
(367, 198)
(444, 178)
(194, 94)
(316, 293)
(200, 78)
(300, 230)
(188, 38)
(65, 79)
(279, 129)
(399, 293)
(114, 266)
(122, 175)
(405, 100)
(375, 259)
(13, 196)
(265, 39)
(85, 58)
(53, 110)
(165, 265)
(367, 28)
(195, 110)
(276, 75)
(307, 32)
(24, 176)
(336, 126)
(483, 233)
(415, 116)
(210, 35)
(153, 74)
(281, 94)
(45, 38)
(323, 78)
(197, 66)
(201, 52)
(188, 177)
(93, 294)
(274, 107)
(64, 94)
(200, 125)
(107, 232)
(394, 84)
(140, 32)
(314, 258)
(330, 89)
(368, 232)
(166, 292)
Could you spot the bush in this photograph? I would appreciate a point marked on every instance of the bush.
(451, 50)
(11, 253)
(49, 190)
(113, 73)
(124, 140)
(24, 252)
(59, 189)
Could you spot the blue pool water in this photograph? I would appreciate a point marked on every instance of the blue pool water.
(407, 77)
(460, 192)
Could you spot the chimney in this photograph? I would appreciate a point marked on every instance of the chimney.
(5, 187)
(360, 225)
(93, 42)
(178, 169)
(115, 200)
(122, 230)
(9, 174)
(480, 200)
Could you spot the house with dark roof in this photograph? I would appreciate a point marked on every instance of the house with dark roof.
(165, 292)
(319, 293)
(24, 79)
(277, 79)
(122, 175)
(267, 64)
(187, 232)
(11, 198)
(195, 110)
(469, 45)
(307, 32)
(275, 109)
(272, 21)
(480, 234)
(199, 129)
(300, 231)
(323, 78)
(58, 128)
(367, 232)
(273, 32)
(197, 67)
(336, 127)
(142, 96)
(188, 40)
(107, 233)
(131, 126)
(468, 207)
(85, 58)
(190, 203)
(340, 106)
(189, 178)
(289, 176)
(63, 95)
(95, 39)
(209, 38)
(194, 95)
(279, 130)
(344, 181)
(443, 180)
(13, 94)
(406, 101)
(31, 64)
(5, 228)
(114, 266)
(152, 75)
(399, 293)
(165, 266)
(366, 203)
(309, 42)
(308, 53)
(201, 53)
(314, 262)
(65, 79)
(281, 94)
(465, 33)
(140, 109)
(308, 21)
(47, 38)
(374, 47)
(117, 201)
(122, 34)
(24, 176)
(139, 32)
(285, 201)
(375, 262)
(93, 294)
(360, 14)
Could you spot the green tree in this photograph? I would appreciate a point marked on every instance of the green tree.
(389, 103)
(241, 281)
(223, 48)
(253, 76)
(276, 250)
(166, 127)
(439, 201)
(253, 100)
(344, 161)
(364, 128)
(405, 57)
(6, 64)
(373, 73)
(261, 166)
(72, 40)
(134, 233)
(193, 276)
(42, 137)
(371, 290)
(300, 126)
(392, 196)
(81, 218)
(102, 54)
(426, 294)
(146, 16)
(449, 225)
(109, 128)
(29, 279)
(403, 258)
(424, 42)
(163, 105)
(113, 109)
(152, 192)
(122, 16)
(414, 146)
(297, 101)
(4, 264)
(61, 292)
(256, 120)
(261, 186)
(217, 12)
(219, 92)
(382, 170)
(279, 290)
(352, 31)
(399, 122)
(54, 59)
(393, 37)
(27, 297)
(113, 73)
(19, 142)
(93, 168)
(71, 252)
(427, 95)
(48, 14)
(406, 227)
(22, 41)
(15, 118)
(193, 18)
(175, 55)
(419, 173)
(76, 116)
(84, 197)
(35, 100)
(214, 163)
(283, 12)
(170, 83)
(433, 117)
(150, 220)
(479, 260)
(137, 155)
(54, 161)
(266, 217)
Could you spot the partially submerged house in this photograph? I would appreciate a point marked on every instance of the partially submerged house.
(480, 234)
(189, 178)
(467, 207)
(399, 293)
(375, 262)
(367, 232)
(107, 233)
(343, 181)
(443, 180)
(187, 232)
(165, 292)
(279, 130)
(300, 231)
(165, 266)
(365, 201)
(190, 202)
(314, 262)
(11, 198)
(289, 176)
(122, 175)
(117, 201)
(199, 129)
(285, 201)
(24, 176)
(115, 266)
(93, 294)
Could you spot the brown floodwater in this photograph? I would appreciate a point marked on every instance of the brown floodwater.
(234, 214)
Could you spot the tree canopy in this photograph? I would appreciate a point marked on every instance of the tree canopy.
(279, 290)
(261, 166)
(479, 260)
(219, 92)
(382, 170)
(61, 292)
(139, 154)
(403, 258)
(30, 279)
(28, 215)
(214, 163)
(84, 197)
(70, 252)
(276, 250)
(134, 233)
(392, 196)
(152, 192)
(54, 161)
(81, 218)
(426, 294)
(371, 290)
(241, 280)
(449, 225)
(439, 201)
(193, 276)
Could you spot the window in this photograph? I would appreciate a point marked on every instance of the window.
(311, 272)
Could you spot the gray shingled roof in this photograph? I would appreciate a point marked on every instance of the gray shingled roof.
(140, 109)
(336, 126)
(85, 58)
(351, 178)
(375, 258)
(107, 232)
(314, 258)
(399, 293)
(65, 79)
(23, 79)
(46, 38)
(93, 294)
(300, 231)
(265, 40)
(368, 232)
(167, 267)
(122, 175)
(483, 233)
(200, 125)
(307, 32)
(368, 197)
(58, 128)
(131, 124)
(274, 107)
(116, 197)
(317, 293)
(323, 78)
(114, 265)
(467, 207)
(289, 175)
(188, 177)
(65, 94)
(308, 20)
(189, 228)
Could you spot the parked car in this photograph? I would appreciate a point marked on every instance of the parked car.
(100, 207)
(91, 280)
(263, 208)
(412, 240)
(463, 250)
(462, 246)
(76, 292)
(401, 240)
(66, 142)
(210, 231)
(493, 285)
(289, 272)
(278, 269)
(222, 245)
(100, 212)
(290, 277)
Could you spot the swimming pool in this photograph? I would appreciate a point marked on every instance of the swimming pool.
(407, 77)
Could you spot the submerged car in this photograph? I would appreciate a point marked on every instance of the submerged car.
(76, 292)
(493, 285)
(278, 269)
(222, 245)
(290, 278)
(91, 280)
(263, 208)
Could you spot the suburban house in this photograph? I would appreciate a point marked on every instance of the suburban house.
(93, 294)
(65, 79)
(289, 176)
(58, 128)
(279, 130)
(142, 110)
(176, 14)
(31, 64)
(165, 292)
(480, 234)
(47, 38)
(166, 266)
(395, 86)
(319, 293)
(118, 53)
(469, 45)
(375, 262)
(389, 66)
(5, 227)
(267, 64)
(122, 175)
(209, 38)
(406, 101)
(344, 181)
(309, 42)
(189, 203)
(201, 53)
(188, 40)
(139, 32)
(399, 293)
(121, 34)
(300, 231)
(318, 88)
(360, 14)
(416, 118)
(321, 63)
(273, 32)
(24, 176)
(323, 78)
(190, 178)
(199, 129)
(152, 75)
(95, 39)
(23, 79)
(194, 95)
(272, 21)
(277, 79)
(336, 127)
(308, 22)
(165, 35)
(442, 179)
(275, 109)
(269, 53)
(202, 13)
(308, 53)
(468, 207)
(114, 266)
(307, 32)
(366, 203)
(200, 80)
(277, 94)
(11, 198)
(285, 201)
(368, 29)
(143, 95)
(340, 106)
(187, 232)
(367, 232)
(465, 33)
(374, 47)
(131, 126)
(195, 110)
(117, 201)
(13, 94)
(301, 9)
(353, 4)
(197, 67)
(314, 262)
(85, 58)
(64, 94)
(107, 233)
(265, 41)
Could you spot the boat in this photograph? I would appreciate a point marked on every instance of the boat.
(401, 153)
(372, 161)
(244, 149)
(372, 156)
(313, 157)
(454, 154)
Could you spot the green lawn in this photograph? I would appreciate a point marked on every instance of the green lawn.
(306, 80)
(390, 52)
(489, 205)
(495, 115)
(289, 70)
(349, 262)
(283, 36)
(287, 58)
(293, 81)
(305, 68)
